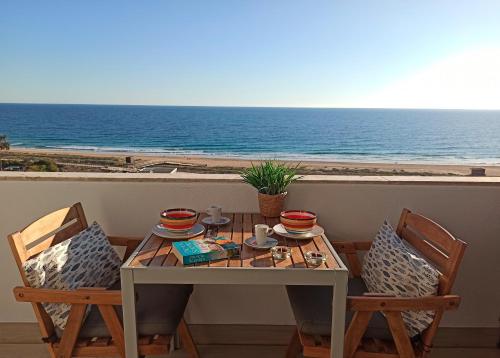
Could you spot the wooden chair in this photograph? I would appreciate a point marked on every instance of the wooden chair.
(441, 249)
(55, 228)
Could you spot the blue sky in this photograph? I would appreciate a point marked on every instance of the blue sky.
(307, 53)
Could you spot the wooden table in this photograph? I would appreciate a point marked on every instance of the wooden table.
(154, 263)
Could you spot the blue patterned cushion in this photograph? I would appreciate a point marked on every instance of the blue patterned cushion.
(84, 260)
(392, 266)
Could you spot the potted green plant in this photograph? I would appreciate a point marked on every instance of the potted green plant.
(271, 179)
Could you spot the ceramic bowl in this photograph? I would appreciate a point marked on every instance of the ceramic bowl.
(298, 221)
(178, 219)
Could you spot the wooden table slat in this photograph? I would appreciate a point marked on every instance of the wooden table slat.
(297, 257)
(149, 250)
(321, 246)
(247, 253)
(171, 259)
(308, 245)
(237, 237)
(161, 254)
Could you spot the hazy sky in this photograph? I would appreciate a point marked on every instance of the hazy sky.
(307, 53)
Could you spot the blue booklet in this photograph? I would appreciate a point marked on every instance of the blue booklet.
(203, 250)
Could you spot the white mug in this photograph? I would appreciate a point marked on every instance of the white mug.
(215, 212)
(262, 231)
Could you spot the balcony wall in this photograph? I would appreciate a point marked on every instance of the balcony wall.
(350, 208)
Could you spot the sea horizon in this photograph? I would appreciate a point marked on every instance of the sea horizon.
(421, 136)
(244, 106)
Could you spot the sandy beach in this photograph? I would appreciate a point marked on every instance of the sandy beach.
(115, 161)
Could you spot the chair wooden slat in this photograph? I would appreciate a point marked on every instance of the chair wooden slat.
(313, 348)
(101, 342)
(82, 342)
(376, 348)
(48, 224)
(145, 340)
(161, 340)
(436, 256)
(430, 230)
(53, 228)
(43, 243)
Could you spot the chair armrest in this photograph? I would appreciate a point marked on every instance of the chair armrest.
(83, 295)
(124, 241)
(348, 247)
(428, 303)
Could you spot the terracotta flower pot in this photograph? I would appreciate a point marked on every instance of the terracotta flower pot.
(271, 205)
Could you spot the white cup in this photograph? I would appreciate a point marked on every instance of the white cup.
(215, 212)
(262, 231)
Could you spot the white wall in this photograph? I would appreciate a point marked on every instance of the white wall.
(348, 208)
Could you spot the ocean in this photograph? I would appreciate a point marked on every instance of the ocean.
(366, 135)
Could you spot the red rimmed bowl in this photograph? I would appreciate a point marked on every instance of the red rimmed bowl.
(178, 220)
(298, 221)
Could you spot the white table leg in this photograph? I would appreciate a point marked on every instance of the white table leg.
(338, 315)
(129, 322)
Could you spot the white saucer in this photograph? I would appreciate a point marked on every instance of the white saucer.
(160, 231)
(209, 221)
(316, 231)
(252, 242)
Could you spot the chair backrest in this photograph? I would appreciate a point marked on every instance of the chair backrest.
(441, 249)
(435, 243)
(43, 233)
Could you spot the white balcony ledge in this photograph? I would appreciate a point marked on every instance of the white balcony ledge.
(234, 178)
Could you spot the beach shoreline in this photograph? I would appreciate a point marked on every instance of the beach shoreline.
(71, 159)
(257, 156)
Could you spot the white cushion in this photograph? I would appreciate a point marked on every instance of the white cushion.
(84, 260)
(392, 266)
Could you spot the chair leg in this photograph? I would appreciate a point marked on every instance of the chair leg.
(114, 326)
(294, 347)
(52, 351)
(398, 330)
(70, 334)
(187, 340)
(355, 332)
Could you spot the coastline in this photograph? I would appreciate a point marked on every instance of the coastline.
(81, 160)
